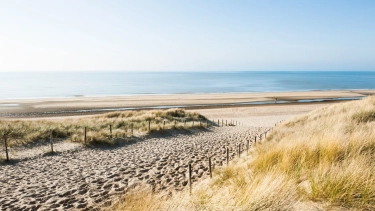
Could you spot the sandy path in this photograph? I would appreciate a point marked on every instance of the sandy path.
(85, 178)
(88, 178)
(259, 116)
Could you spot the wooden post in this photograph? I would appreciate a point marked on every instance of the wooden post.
(190, 177)
(248, 145)
(110, 131)
(239, 150)
(222, 123)
(148, 129)
(131, 128)
(226, 122)
(227, 155)
(51, 140)
(218, 123)
(193, 122)
(209, 166)
(255, 139)
(125, 129)
(85, 135)
(6, 148)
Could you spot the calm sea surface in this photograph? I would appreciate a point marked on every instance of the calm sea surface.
(69, 84)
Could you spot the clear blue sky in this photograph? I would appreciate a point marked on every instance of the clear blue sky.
(191, 35)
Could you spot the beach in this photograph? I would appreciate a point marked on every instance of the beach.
(93, 105)
(82, 178)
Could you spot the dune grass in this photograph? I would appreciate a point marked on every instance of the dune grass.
(324, 160)
(21, 132)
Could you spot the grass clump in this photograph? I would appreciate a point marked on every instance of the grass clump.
(22, 132)
(324, 160)
(364, 116)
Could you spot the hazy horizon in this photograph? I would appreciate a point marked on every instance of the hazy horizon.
(187, 36)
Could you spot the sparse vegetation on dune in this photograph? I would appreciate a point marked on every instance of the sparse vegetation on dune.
(324, 160)
(20, 132)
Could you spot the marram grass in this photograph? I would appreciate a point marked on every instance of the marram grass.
(324, 160)
(21, 132)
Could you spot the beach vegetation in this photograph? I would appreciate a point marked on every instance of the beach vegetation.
(323, 160)
(123, 125)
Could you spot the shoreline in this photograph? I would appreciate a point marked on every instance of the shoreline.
(183, 93)
(78, 106)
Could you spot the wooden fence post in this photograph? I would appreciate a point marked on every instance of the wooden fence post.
(6, 148)
(148, 128)
(248, 145)
(222, 123)
(131, 128)
(226, 122)
(190, 177)
(209, 166)
(125, 129)
(51, 140)
(85, 135)
(239, 149)
(218, 123)
(255, 139)
(110, 131)
(227, 155)
(193, 122)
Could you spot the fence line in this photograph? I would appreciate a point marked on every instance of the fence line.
(6, 137)
(264, 134)
(211, 166)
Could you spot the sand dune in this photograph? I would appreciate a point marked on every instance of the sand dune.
(84, 178)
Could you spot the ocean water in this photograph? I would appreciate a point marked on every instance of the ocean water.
(21, 85)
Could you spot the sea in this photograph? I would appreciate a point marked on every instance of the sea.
(65, 84)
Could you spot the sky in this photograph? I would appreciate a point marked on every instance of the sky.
(186, 35)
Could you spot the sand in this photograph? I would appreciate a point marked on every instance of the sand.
(89, 105)
(88, 178)
(84, 178)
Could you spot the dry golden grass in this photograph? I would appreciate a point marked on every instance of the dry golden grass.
(24, 132)
(324, 160)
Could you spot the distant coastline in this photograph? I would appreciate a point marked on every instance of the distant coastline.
(56, 85)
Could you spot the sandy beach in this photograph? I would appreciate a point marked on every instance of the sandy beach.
(92, 105)
(83, 178)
